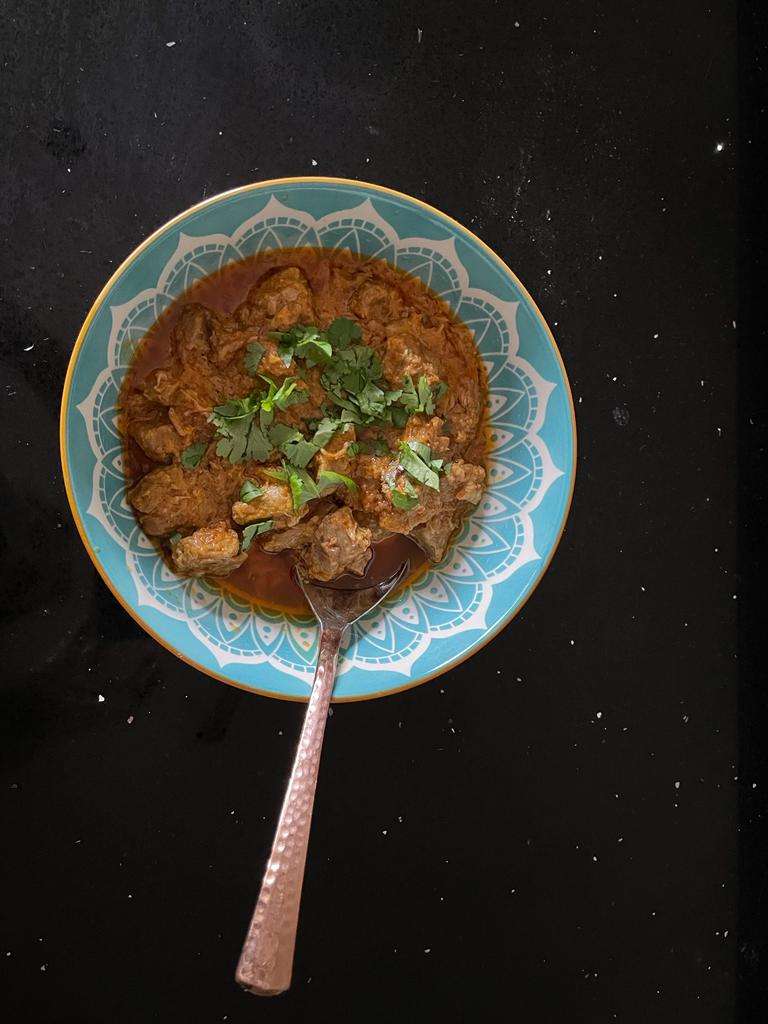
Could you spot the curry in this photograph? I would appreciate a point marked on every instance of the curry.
(304, 405)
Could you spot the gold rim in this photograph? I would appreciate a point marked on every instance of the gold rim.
(276, 183)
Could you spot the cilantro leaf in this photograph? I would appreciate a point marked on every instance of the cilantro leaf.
(325, 430)
(303, 487)
(327, 479)
(422, 450)
(375, 447)
(253, 531)
(416, 467)
(250, 490)
(408, 397)
(281, 397)
(258, 447)
(253, 353)
(405, 499)
(343, 332)
(191, 456)
(422, 397)
(277, 474)
(281, 432)
(299, 452)
(314, 347)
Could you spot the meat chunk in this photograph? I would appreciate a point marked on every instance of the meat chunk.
(283, 298)
(405, 354)
(275, 503)
(298, 536)
(192, 332)
(438, 513)
(377, 301)
(434, 536)
(465, 482)
(339, 545)
(150, 426)
(170, 498)
(210, 551)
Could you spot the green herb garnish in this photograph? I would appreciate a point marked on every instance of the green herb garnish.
(253, 531)
(375, 447)
(327, 479)
(190, 457)
(405, 499)
(416, 460)
(253, 354)
(343, 332)
(250, 490)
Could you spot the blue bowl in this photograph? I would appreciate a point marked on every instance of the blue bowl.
(501, 552)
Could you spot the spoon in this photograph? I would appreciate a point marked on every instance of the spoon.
(266, 960)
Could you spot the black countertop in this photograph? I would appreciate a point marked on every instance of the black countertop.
(547, 833)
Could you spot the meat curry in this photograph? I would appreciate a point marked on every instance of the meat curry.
(303, 405)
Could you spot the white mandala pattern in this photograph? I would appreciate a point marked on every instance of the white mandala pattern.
(496, 542)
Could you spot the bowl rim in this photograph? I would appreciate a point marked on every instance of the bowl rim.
(482, 641)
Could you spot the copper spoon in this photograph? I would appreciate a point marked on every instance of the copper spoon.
(266, 961)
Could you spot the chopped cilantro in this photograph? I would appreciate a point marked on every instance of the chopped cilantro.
(191, 456)
(375, 447)
(343, 332)
(174, 539)
(327, 480)
(253, 531)
(281, 397)
(303, 487)
(422, 397)
(303, 342)
(405, 499)
(421, 469)
(299, 452)
(250, 490)
(253, 353)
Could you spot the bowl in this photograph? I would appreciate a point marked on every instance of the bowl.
(501, 552)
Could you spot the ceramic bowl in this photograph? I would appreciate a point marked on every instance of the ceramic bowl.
(501, 552)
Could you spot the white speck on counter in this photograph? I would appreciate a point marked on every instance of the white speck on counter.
(314, 163)
(172, 43)
(598, 714)
(43, 966)
(428, 950)
(719, 147)
(517, 24)
(419, 34)
(677, 785)
(129, 719)
(29, 348)
(594, 859)
(102, 698)
(571, 642)
(383, 831)
(655, 335)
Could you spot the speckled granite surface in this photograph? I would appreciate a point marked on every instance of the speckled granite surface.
(549, 832)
